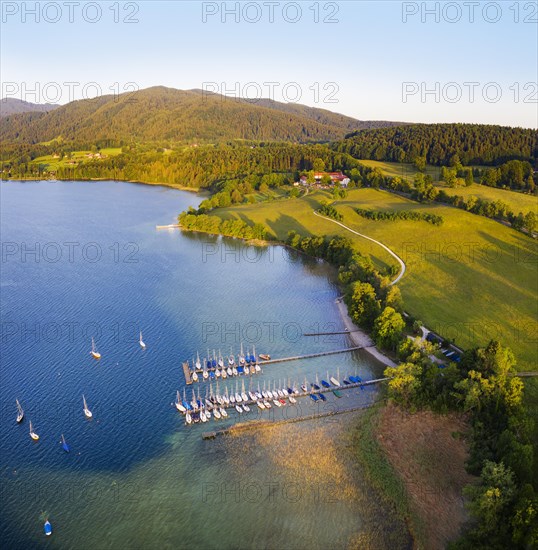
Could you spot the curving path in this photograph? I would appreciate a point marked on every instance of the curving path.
(393, 254)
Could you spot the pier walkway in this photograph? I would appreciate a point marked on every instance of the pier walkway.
(242, 427)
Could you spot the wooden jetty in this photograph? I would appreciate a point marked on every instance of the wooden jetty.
(187, 373)
(244, 426)
(310, 355)
(321, 390)
(170, 226)
(331, 333)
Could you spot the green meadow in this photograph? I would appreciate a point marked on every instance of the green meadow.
(517, 202)
(471, 279)
(54, 163)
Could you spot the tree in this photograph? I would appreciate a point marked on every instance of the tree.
(318, 165)
(236, 197)
(530, 222)
(420, 163)
(490, 501)
(363, 304)
(404, 382)
(469, 179)
(388, 328)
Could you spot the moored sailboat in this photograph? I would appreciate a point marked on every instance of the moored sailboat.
(47, 528)
(33, 435)
(86, 410)
(95, 354)
(179, 405)
(141, 342)
(20, 412)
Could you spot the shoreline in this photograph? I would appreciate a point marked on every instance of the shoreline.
(359, 337)
(176, 186)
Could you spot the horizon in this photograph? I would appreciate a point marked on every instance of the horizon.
(422, 71)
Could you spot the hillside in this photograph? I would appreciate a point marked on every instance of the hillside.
(12, 106)
(159, 113)
(440, 144)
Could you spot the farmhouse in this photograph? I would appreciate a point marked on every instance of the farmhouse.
(336, 177)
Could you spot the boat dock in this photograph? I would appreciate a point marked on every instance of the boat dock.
(310, 355)
(310, 392)
(331, 333)
(170, 226)
(242, 427)
(187, 373)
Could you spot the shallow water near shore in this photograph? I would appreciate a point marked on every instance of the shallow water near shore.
(83, 260)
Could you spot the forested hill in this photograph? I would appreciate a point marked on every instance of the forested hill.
(12, 106)
(161, 114)
(441, 143)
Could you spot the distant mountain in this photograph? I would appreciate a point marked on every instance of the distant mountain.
(11, 106)
(162, 114)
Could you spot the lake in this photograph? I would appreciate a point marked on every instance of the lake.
(83, 260)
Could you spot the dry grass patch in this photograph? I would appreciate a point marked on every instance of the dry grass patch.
(429, 455)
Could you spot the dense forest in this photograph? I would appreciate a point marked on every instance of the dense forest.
(159, 113)
(196, 167)
(443, 144)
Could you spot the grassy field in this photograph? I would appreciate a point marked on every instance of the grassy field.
(471, 279)
(518, 202)
(76, 156)
(403, 170)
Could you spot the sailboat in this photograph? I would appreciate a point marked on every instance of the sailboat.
(141, 342)
(65, 446)
(231, 358)
(216, 414)
(94, 352)
(223, 412)
(87, 411)
(241, 356)
(198, 364)
(179, 405)
(33, 435)
(194, 374)
(20, 412)
(47, 528)
(188, 418)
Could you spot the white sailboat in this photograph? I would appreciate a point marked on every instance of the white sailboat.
(223, 412)
(95, 354)
(188, 418)
(87, 411)
(33, 435)
(260, 404)
(216, 414)
(194, 374)
(179, 405)
(20, 412)
(198, 364)
(241, 356)
(243, 392)
(141, 342)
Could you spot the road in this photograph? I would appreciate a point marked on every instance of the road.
(393, 254)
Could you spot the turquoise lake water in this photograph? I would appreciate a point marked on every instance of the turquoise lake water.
(83, 260)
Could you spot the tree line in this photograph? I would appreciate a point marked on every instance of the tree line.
(392, 215)
(439, 144)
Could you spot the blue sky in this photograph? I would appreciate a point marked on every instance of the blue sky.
(360, 64)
